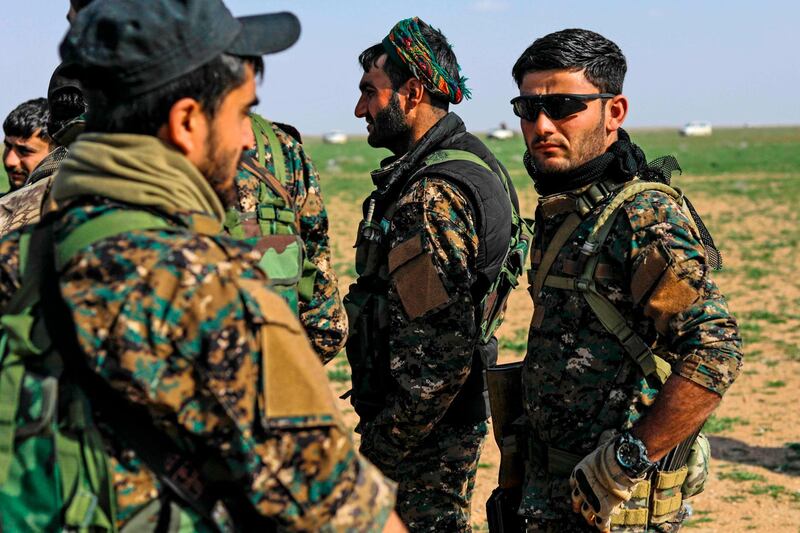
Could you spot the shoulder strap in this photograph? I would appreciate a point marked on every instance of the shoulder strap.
(605, 311)
(443, 156)
(102, 227)
(265, 135)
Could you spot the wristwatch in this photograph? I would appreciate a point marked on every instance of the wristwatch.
(631, 454)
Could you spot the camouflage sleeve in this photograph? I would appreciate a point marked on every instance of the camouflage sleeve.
(323, 317)
(9, 267)
(185, 337)
(432, 265)
(671, 286)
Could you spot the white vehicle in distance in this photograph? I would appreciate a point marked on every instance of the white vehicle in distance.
(501, 133)
(696, 128)
(334, 137)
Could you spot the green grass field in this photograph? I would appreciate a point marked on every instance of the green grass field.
(742, 151)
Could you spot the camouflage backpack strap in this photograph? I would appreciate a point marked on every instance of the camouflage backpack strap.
(83, 496)
(265, 135)
(606, 312)
(102, 227)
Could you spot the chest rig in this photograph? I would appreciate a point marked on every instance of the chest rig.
(368, 308)
(274, 227)
(658, 498)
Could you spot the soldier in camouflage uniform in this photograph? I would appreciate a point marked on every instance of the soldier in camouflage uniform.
(171, 316)
(321, 312)
(66, 106)
(613, 316)
(26, 140)
(433, 233)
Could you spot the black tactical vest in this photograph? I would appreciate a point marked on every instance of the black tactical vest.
(367, 303)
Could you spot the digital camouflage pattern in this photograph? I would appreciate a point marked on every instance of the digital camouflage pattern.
(442, 470)
(577, 379)
(153, 308)
(323, 318)
(24, 206)
(430, 358)
(172, 320)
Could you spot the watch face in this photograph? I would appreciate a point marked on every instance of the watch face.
(628, 455)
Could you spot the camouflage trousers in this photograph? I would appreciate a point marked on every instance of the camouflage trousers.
(437, 478)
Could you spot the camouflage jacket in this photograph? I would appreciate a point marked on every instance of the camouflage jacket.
(577, 379)
(24, 206)
(432, 243)
(323, 317)
(430, 354)
(172, 319)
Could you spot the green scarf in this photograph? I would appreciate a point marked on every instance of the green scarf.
(135, 169)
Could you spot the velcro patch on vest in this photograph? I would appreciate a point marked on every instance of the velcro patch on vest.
(649, 270)
(556, 204)
(418, 282)
(671, 296)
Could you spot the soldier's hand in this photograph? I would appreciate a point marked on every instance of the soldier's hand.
(599, 486)
(394, 524)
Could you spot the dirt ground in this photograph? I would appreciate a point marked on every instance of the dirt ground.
(755, 480)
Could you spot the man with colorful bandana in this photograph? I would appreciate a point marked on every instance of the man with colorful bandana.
(632, 344)
(173, 319)
(435, 232)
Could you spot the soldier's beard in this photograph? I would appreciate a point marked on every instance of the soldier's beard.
(584, 148)
(390, 129)
(219, 169)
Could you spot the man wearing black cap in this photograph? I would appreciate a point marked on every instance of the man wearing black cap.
(174, 320)
(278, 193)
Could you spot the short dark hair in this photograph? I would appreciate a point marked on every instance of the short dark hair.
(28, 118)
(399, 74)
(145, 114)
(601, 60)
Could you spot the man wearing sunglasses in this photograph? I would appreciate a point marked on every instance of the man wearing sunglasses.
(631, 344)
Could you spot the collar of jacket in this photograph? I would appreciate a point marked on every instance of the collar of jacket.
(138, 170)
(395, 170)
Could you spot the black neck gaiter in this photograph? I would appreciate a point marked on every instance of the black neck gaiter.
(621, 162)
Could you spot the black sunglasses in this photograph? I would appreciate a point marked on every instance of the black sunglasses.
(555, 106)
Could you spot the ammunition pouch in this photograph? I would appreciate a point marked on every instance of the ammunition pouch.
(368, 351)
(655, 500)
(471, 404)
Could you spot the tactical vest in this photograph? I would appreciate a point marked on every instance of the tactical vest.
(54, 471)
(683, 471)
(501, 260)
(274, 228)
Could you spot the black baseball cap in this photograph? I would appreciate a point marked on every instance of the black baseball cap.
(130, 47)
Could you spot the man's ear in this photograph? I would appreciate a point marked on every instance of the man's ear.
(416, 91)
(186, 127)
(616, 113)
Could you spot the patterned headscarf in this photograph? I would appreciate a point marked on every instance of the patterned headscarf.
(405, 45)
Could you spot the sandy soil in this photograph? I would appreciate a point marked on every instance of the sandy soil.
(755, 481)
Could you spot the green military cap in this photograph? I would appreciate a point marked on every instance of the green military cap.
(130, 47)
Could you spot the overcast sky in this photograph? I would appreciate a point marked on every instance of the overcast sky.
(731, 62)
